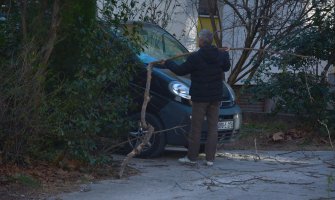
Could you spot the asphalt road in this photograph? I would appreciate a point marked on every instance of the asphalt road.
(235, 175)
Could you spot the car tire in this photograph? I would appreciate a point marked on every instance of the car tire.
(157, 140)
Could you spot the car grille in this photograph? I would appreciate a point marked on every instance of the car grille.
(223, 117)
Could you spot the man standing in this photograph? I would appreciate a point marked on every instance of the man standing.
(206, 67)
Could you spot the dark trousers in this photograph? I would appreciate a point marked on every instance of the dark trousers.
(199, 111)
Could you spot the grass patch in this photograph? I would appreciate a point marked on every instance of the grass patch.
(282, 132)
(262, 128)
(26, 180)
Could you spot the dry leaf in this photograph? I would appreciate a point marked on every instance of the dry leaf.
(289, 138)
(279, 136)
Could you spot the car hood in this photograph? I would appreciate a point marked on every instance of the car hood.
(170, 76)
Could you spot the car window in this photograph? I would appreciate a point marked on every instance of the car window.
(159, 45)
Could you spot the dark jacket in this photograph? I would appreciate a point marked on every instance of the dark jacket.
(206, 67)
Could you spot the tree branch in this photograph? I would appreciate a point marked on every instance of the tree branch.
(236, 12)
(48, 47)
(137, 150)
(23, 7)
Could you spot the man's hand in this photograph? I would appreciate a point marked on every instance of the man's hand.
(160, 64)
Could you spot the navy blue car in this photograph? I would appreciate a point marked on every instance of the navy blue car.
(170, 105)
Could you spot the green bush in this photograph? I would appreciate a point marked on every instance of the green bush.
(297, 90)
(96, 97)
(20, 86)
(300, 86)
(62, 107)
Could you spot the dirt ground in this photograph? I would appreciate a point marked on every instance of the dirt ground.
(282, 132)
(41, 181)
(259, 132)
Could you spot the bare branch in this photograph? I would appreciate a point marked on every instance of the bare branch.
(23, 7)
(237, 12)
(220, 25)
(137, 150)
(328, 132)
(265, 23)
(250, 62)
(48, 47)
(133, 139)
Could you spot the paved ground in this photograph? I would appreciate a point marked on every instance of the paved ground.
(235, 175)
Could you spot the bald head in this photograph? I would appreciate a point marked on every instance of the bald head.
(205, 38)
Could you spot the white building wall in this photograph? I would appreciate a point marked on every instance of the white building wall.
(184, 22)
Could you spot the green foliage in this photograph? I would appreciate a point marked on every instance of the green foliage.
(62, 107)
(21, 80)
(330, 183)
(76, 15)
(297, 92)
(26, 180)
(300, 87)
(317, 38)
(97, 97)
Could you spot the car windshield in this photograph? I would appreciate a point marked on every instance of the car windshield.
(159, 45)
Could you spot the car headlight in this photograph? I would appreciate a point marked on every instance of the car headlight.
(179, 89)
(231, 91)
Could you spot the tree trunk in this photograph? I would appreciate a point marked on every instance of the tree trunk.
(212, 9)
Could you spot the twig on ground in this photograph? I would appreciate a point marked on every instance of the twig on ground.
(257, 157)
(136, 150)
(329, 137)
(280, 154)
(177, 184)
(155, 132)
(331, 165)
(255, 141)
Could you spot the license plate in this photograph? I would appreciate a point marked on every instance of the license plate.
(226, 125)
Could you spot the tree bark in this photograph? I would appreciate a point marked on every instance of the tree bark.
(212, 9)
(48, 47)
(23, 6)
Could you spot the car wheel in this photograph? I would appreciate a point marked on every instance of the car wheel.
(157, 141)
